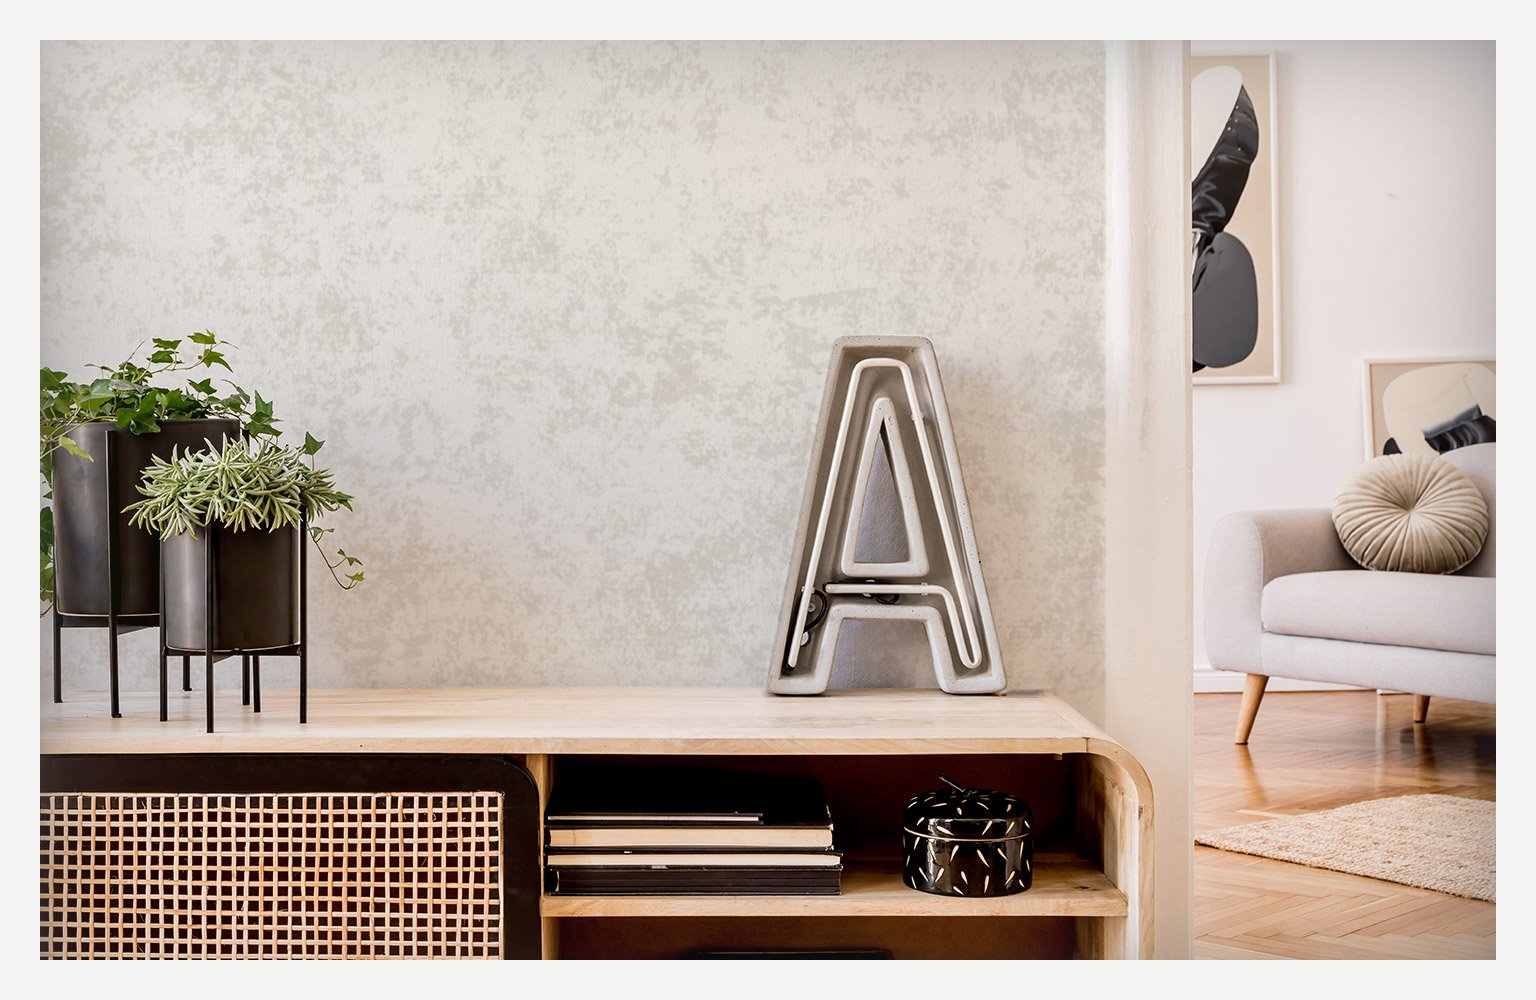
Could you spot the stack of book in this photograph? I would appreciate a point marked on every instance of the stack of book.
(618, 832)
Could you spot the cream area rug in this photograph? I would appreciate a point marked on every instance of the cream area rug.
(1438, 842)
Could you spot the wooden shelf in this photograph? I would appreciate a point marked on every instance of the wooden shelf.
(1064, 886)
(1082, 779)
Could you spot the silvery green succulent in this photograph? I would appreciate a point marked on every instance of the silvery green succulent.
(243, 486)
(247, 485)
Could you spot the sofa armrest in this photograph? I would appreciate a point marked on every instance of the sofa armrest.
(1247, 551)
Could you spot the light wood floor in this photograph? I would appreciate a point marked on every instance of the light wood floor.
(1314, 751)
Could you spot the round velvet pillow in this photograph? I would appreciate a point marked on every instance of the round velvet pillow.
(1412, 513)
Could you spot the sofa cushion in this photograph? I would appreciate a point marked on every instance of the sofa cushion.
(1454, 613)
(1417, 513)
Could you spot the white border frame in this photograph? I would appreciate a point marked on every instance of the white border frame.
(1365, 387)
(1276, 329)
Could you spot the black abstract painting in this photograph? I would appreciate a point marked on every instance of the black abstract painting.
(1226, 297)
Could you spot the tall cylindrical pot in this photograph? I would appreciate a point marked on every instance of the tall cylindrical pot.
(255, 589)
(81, 510)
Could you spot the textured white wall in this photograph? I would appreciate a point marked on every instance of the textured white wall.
(562, 312)
(1386, 249)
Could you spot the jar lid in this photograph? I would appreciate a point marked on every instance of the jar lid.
(967, 814)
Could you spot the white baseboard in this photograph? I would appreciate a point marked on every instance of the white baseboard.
(1210, 681)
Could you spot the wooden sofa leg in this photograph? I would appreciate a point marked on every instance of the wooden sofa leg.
(1253, 693)
(1420, 707)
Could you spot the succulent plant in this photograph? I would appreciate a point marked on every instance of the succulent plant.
(243, 485)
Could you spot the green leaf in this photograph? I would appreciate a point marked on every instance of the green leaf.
(210, 357)
(166, 344)
(355, 577)
(206, 337)
(70, 445)
(260, 420)
(312, 444)
(45, 520)
(52, 379)
(177, 403)
(163, 358)
(204, 386)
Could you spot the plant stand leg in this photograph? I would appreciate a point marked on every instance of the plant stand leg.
(208, 608)
(186, 671)
(112, 663)
(208, 680)
(112, 555)
(245, 679)
(255, 682)
(58, 666)
(164, 687)
(303, 619)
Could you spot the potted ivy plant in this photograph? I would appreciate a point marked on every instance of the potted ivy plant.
(242, 503)
(145, 420)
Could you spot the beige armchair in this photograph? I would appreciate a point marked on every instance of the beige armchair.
(1283, 599)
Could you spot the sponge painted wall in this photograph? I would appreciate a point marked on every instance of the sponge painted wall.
(562, 313)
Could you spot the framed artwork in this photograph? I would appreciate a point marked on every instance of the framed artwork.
(1233, 259)
(1428, 405)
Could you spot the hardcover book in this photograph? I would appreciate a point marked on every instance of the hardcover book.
(608, 796)
(748, 859)
(625, 831)
(695, 882)
(741, 836)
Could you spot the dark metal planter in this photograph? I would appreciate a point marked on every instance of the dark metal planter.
(106, 571)
(226, 593)
(256, 589)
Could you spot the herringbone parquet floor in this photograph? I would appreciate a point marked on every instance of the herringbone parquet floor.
(1314, 751)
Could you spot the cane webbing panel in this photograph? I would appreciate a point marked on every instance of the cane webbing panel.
(316, 875)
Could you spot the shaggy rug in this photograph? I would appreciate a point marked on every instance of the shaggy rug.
(1437, 842)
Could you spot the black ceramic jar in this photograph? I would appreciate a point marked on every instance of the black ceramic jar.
(967, 842)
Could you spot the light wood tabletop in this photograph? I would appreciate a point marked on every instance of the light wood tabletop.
(580, 720)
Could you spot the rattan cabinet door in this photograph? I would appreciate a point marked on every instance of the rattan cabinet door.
(288, 856)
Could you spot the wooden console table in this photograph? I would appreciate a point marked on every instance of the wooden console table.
(1092, 893)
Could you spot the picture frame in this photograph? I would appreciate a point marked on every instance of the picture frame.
(1378, 373)
(1256, 220)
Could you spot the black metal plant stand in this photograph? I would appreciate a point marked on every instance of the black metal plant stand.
(250, 660)
(115, 623)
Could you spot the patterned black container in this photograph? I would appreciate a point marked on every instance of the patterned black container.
(967, 842)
